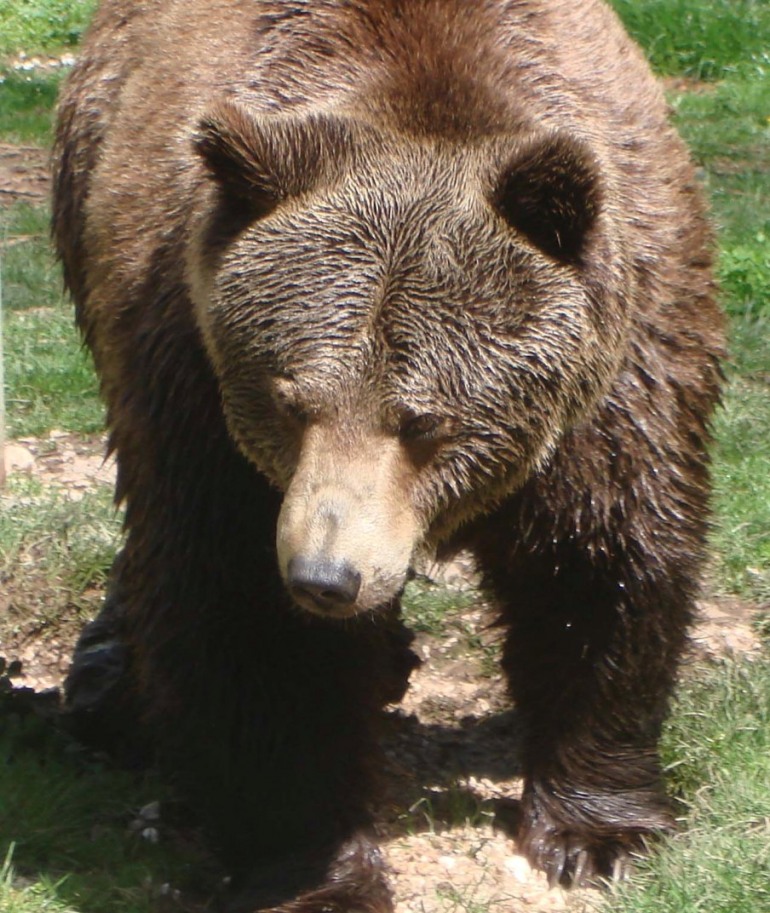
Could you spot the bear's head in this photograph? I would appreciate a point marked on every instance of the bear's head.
(402, 327)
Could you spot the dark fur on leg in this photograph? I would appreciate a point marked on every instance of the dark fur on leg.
(595, 629)
(352, 879)
(592, 700)
(102, 707)
(580, 837)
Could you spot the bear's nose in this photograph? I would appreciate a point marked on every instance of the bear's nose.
(327, 585)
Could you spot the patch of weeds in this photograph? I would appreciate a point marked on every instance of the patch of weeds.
(20, 895)
(742, 462)
(461, 901)
(37, 26)
(728, 124)
(717, 743)
(744, 273)
(53, 549)
(742, 488)
(762, 626)
(750, 350)
(438, 611)
(703, 40)
(31, 276)
(439, 810)
(728, 131)
(49, 376)
(426, 605)
(27, 99)
(488, 649)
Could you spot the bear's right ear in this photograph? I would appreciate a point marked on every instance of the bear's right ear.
(237, 155)
(258, 161)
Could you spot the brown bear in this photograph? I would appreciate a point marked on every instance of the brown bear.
(365, 278)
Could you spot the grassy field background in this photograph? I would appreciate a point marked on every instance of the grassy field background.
(64, 843)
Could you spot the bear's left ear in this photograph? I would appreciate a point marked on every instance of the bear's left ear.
(550, 192)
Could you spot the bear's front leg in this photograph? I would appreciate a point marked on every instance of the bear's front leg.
(302, 773)
(595, 630)
(266, 719)
(291, 776)
(590, 662)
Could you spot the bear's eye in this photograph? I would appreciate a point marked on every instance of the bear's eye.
(295, 412)
(425, 427)
(285, 395)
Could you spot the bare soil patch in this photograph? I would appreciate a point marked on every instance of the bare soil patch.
(454, 782)
(24, 175)
(71, 461)
(40, 618)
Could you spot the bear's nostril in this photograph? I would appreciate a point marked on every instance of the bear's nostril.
(327, 584)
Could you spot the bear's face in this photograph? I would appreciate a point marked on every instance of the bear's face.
(402, 330)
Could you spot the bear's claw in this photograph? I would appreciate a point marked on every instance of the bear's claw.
(572, 860)
(580, 851)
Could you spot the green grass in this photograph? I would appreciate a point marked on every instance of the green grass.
(718, 746)
(26, 100)
(42, 26)
(426, 605)
(728, 130)
(744, 271)
(64, 818)
(31, 277)
(704, 39)
(54, 543)
(36, 28)
(50, 381)
(742, 486)
(49, 378)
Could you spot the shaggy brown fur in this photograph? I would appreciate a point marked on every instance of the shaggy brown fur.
(363, 277)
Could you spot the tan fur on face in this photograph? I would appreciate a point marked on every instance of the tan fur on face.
(349, 502)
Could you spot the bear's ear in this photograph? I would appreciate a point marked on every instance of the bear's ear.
(550, 192)
(257, 160)
(238, 156)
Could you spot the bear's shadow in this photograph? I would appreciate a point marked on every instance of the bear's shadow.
(437, 776)
(440, 775)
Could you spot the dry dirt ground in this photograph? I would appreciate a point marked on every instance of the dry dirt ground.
(23, 174)
(451, 774)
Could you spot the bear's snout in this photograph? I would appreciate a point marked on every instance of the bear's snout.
(347, 530)
(321, 583)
